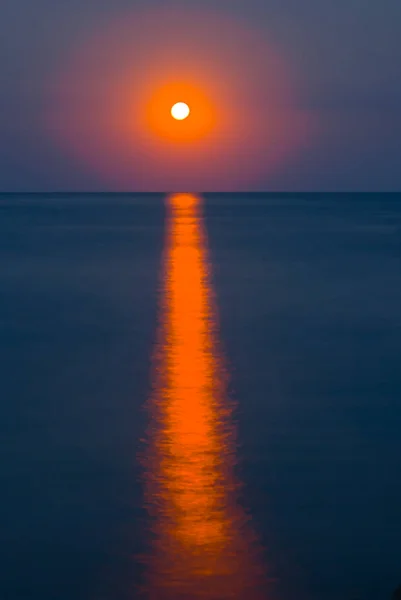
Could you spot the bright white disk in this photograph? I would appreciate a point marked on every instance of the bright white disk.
(180, 111)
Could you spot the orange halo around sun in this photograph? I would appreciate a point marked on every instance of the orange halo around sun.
(162, 113)
(112, 101)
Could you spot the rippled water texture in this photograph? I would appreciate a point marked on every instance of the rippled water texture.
(202, 545)
(200, 397)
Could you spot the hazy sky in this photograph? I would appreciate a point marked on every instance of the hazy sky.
(347, 56)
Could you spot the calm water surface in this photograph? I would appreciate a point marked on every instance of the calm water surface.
(200, 398)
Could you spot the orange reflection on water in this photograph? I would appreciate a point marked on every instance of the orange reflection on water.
(201, 544)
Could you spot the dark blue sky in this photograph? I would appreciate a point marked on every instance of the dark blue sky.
(347, 54)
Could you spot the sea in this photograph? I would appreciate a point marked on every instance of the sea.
(200, 396)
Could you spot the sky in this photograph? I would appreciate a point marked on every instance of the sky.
(344, 58)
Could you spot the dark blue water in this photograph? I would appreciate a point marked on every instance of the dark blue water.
(309, 295)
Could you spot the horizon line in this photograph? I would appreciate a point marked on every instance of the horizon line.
(208, 192)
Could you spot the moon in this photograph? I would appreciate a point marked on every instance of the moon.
(180, 111)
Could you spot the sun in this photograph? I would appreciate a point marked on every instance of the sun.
(180, 111)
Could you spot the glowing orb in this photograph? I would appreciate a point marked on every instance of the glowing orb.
(171, 112)
(180, 111)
